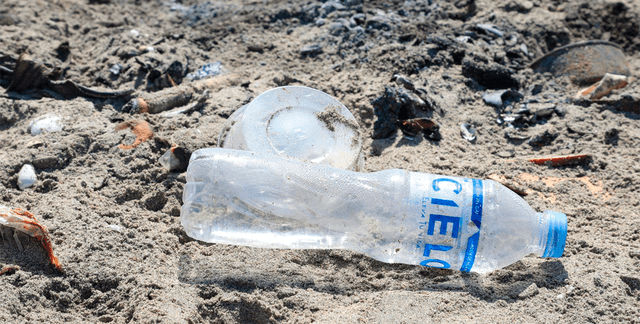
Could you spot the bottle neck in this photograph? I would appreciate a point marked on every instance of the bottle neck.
(551, 234)
(542, 232)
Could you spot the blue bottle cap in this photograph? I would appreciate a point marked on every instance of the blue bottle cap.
(557, 234)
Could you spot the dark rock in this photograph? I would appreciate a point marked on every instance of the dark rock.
(7, 20)
(611, 136)
(63, 51)
(536, 89)
(359, 18)
(47, 162)
(633, 283)
(393, 105)
(379, 22)
(311, 50)
(543, 139)
(488, 74)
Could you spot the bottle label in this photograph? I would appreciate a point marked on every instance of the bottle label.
(450, 219)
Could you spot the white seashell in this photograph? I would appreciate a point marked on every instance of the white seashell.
(45, 124)
(27, 176)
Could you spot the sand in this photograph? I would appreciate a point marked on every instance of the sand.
(113, 212)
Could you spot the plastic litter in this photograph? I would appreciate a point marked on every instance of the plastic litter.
(298, 122)
(207, 70)
(27, 177)
(264, 200)
(48, 123)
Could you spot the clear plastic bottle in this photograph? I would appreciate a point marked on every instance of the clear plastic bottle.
(396, 216)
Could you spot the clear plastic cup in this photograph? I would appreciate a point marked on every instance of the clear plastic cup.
(299, 122)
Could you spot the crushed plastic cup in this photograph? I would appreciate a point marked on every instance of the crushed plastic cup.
(298, 122)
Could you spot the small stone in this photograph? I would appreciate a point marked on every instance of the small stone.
(27, 177)
(45, 162)
(531, 291)
(169, 161)
(116, 228)
(309, 50)
(526, 5)
(506, 154)
(115, 69)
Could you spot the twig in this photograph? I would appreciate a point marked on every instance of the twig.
(179, 96)
(561, 160)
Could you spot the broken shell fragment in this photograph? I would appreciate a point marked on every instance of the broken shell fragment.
(602, 88)
(48, 123)
(26, 177)
(24, 222)
(510, 118)
(545, 111)
(584, 62)
(502, 97)
(468, 132)
(411, 127)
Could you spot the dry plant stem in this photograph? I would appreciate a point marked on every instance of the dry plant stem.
(179, 96)
(70, 88)
(24, 222)
(31, 74)
(561, 160)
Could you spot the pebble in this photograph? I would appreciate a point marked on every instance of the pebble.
(115, 69)
(312, 49)
(27, 177)
(175, 159)
(116, 228)
(48, 123)
(169, 161)
(527, 5)
(531, 291)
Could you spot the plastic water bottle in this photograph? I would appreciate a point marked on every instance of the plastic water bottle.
(396, 216)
